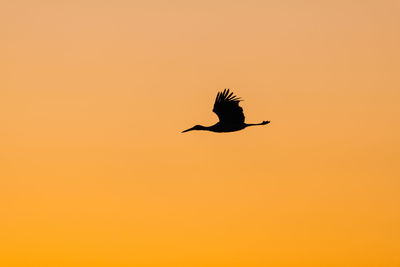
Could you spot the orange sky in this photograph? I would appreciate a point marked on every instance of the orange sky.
(95, 171)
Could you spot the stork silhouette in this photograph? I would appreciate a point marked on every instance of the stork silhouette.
(230, 114)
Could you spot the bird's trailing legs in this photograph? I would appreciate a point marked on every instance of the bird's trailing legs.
(254, 124)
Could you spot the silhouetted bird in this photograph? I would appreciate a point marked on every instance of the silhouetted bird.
(230, 114)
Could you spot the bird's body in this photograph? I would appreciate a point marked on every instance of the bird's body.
(230, 114)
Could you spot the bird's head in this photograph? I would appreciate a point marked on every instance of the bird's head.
(196, 127)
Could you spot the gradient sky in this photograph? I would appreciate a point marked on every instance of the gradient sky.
(95, 172)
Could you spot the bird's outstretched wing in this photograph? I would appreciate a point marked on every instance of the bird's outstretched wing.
(227, 108)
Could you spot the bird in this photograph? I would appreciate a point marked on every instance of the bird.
(230, 114)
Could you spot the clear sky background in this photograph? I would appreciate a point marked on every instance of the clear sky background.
(95, 172)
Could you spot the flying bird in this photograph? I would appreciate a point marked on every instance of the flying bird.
(230, 114)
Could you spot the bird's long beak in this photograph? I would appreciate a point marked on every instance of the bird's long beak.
(190, 129)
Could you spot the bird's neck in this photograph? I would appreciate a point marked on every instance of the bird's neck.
(204, 128)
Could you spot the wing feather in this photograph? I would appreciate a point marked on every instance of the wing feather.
(227, 108)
